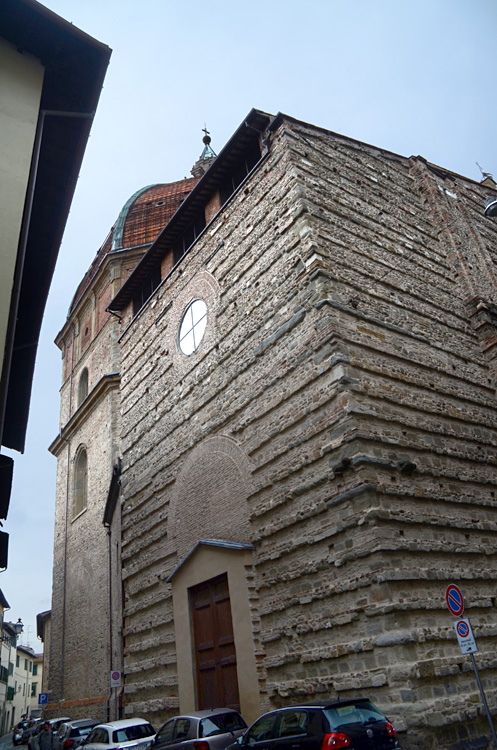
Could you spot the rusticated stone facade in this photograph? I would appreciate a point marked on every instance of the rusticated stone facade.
(329, 448)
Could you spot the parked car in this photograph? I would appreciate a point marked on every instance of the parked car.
(214, 729)
(72, 733)
(355, 724)
(30, 729)
(17, 732)
(54, 723)
(136, 733)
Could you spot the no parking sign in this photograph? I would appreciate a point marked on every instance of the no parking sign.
(465, 636)
(455, 600)
(115, 679)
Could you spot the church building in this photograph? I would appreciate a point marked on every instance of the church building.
(278, 442)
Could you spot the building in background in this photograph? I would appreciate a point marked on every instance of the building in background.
(23, 681)
(43, 620)
(7, 679)
(12, 705)
(281, 443)
(36, 685)
(51, 75)
(8, 643)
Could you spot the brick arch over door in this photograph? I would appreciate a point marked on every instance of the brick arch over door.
(210, 497)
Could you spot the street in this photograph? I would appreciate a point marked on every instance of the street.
(6, 742)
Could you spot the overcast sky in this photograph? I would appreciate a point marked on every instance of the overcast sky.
(413, 77)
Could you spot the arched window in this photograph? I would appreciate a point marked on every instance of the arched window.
(83, 386)
(80, 484)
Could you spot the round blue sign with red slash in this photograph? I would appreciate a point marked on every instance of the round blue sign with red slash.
(455, 600)
(462, 629)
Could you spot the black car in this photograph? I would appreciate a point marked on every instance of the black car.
(355, 724)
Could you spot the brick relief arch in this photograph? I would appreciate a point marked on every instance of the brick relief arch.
(210, 497)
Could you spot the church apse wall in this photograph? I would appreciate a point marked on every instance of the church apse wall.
(341, 358)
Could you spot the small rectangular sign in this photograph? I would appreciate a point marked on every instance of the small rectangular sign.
(42, 699)
(467, 642)
(115, 679)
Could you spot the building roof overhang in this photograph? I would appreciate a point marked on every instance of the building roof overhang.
(41, 619)
(75, 66)
(225, 544)
(3, 601)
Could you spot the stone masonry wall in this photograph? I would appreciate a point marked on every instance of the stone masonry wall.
(80, 635)
(80, 647)
(346, 357)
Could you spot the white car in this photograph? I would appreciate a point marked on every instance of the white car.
(135, 733)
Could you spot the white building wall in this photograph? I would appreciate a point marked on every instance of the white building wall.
(23, 678)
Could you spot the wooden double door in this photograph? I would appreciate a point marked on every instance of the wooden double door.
(215, 655)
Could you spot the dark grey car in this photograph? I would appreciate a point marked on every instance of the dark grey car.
(54, 723)
(72, 733)
(212, 729)
(30, 729)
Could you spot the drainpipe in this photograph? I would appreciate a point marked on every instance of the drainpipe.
(111, 632)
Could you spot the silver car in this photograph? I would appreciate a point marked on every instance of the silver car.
(72, 733)
(54, 723)
(120, 735)
(214, 729)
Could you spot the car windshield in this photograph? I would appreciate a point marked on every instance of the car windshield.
(220, 724)
(136, 732)
(353, 713)
(81, 731)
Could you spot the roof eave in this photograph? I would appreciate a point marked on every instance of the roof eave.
(73, 87)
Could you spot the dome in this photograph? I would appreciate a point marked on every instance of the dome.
(147, 212)
(140, 221)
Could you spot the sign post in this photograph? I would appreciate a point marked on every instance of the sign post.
(467, 642)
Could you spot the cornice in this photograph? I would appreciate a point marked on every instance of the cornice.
(105, 384)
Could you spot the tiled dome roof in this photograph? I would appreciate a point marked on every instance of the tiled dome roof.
(139, 222)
